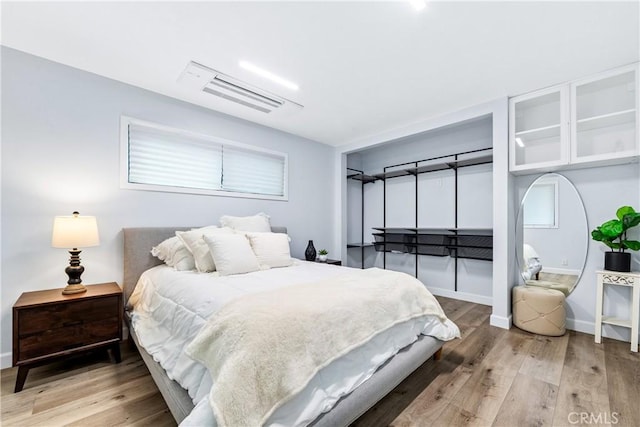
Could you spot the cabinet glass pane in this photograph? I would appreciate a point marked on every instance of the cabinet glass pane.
(537, 130)
(606, 116)
(602, 97)
(606, 137)
(538, 147)
(536, 113)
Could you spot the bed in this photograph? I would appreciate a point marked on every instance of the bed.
(138, 260)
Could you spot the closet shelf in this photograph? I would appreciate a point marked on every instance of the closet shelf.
(393, 229)
(482, 160)
(434, 230)
(469, 243)
(362, 177)
(429, 168)
(392, 174)
(359, 245)
(435, 167)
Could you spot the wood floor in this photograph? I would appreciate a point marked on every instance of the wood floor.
(490, 377)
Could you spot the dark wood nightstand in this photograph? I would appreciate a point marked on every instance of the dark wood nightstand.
(48, 325)
(331, 261)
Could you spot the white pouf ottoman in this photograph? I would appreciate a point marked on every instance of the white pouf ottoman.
(539, 310)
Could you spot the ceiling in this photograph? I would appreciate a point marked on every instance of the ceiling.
(363, 68)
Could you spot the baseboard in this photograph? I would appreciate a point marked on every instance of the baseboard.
(5, 360)
(590, 327)
(478, 299)
(566, 271)
(500, 321)
(581, 326)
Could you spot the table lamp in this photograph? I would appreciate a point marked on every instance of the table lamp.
(73, 232)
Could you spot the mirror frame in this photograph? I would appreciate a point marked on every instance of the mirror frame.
(519, 228)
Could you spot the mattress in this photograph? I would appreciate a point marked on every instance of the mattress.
(170, 307)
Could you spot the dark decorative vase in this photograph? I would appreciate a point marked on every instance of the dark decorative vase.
(617, 261)
(310, 253)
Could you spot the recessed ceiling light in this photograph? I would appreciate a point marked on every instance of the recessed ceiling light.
(418, 5)
(268, 75)
(519, 142)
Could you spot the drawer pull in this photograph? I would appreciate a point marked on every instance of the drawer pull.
(73, 323)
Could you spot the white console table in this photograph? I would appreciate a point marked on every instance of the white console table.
(631, 280)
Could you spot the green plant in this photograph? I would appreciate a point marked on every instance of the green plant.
(613, 233)
(322, 252)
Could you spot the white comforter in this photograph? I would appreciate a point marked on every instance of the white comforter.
(171, 307)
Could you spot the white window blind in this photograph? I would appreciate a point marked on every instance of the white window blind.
(252, 172)
(159, 158)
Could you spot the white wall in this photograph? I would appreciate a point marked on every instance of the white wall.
(60, 153)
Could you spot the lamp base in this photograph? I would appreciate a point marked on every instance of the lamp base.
(74, 289)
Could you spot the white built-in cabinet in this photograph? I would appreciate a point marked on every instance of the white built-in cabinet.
(587, 122)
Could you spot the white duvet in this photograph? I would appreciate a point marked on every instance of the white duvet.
(171, 307)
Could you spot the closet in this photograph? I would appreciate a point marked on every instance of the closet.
(422, 205)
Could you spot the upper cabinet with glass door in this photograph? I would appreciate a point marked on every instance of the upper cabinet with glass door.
(588, 122)
(538, 129)
(604, 116)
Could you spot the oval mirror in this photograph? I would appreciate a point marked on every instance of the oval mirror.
(552, 234)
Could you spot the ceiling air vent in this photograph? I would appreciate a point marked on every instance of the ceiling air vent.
(215, 83)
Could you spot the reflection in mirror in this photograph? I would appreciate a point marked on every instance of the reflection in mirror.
(552, 234)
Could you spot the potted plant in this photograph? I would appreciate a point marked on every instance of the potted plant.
(613, 233)
(322, 255)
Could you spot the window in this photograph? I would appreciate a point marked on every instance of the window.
(541, 205)
(161, 158)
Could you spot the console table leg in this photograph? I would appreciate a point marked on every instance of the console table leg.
(599, 302)
(21, 378)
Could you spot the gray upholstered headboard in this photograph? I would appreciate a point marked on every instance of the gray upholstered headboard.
(137, 251)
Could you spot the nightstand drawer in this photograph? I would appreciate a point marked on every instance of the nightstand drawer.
(62, 315)
(57, 340)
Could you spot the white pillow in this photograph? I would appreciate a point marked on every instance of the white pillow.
(271, 249)
(232, 254)
(258, 222)
(193, 241)
(175, 254)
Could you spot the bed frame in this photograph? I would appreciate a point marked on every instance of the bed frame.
(137, 259)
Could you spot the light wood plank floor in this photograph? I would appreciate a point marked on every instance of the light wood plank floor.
(490, 377)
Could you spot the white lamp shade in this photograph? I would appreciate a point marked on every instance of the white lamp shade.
(75, 231)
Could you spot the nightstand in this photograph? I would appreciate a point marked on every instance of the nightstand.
(48, 325)
(331, 261)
